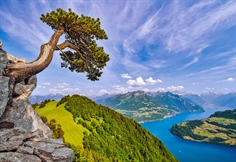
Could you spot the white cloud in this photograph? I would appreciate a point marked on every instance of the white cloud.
(175, 88)
(41, 86)
(62, 85)
(138, 82)
(153, 81)
(102, 91)
(47, 83)
(186, 27)
(121, 89)
(126, 76)
(64, 90)
(208, 89)
(230, 79)
(194, 83)
(195, 59)
(145, 89)
(23, 30)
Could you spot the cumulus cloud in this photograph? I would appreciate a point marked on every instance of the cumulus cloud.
(41, 86)
(137, 82)
(230, 79)
(121, 89)
(47, 83)
(153, 81)
(140, 82)
(64, 88)
(175, 88)
(126, 76)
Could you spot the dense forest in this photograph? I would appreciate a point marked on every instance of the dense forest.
(107, 135)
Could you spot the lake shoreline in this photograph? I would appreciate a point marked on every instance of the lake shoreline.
(187, 150)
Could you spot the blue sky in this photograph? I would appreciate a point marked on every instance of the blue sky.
(163, 45)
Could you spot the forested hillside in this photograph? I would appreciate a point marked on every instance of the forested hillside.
(149, 106)
(219, 128)
(102, 134)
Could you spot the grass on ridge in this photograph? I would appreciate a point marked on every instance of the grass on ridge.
(73, 132)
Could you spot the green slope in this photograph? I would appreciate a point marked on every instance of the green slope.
(102, 134)
(219, 128)
(73, 133)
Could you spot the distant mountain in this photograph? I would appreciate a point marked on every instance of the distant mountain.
(227, 100)
(195, 98)
(100, 97)
(210, 96)
(129, 101)
(175, 102)
(143, 106)
(219, 128)
(98, 133)
(39, 98)
(137, 105)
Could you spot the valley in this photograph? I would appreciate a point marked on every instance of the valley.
(143, 107)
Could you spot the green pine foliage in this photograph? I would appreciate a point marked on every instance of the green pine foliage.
(42, 104)
(57, 131)
(81, 33)
(112, 137)
(63, 100)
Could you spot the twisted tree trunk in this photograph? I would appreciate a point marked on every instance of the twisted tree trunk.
(20, 71)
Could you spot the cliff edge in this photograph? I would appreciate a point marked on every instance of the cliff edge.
(23, 135)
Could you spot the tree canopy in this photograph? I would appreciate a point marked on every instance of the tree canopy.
(81, 33)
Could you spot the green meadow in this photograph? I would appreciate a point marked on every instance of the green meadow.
(73, 133)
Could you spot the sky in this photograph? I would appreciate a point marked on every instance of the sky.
(164, 45)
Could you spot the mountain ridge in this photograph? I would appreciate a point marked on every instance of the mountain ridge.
(148, 106)
(106, 135)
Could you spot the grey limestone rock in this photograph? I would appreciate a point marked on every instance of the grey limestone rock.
(18, 157)
(20, 113)
(3, 82)
(23, 135)
(19, 142)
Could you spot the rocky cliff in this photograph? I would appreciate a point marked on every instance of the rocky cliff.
(23, 135)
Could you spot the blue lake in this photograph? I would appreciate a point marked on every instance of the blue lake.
(190, 151)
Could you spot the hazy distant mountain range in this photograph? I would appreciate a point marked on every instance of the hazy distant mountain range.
(146, 106)
(143, 106)
(212, 99)
(39, 98)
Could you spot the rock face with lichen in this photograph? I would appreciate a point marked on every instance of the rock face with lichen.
(3, 83)
(19, 145)
(23, 135)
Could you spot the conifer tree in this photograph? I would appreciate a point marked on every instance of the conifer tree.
(82, 54)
